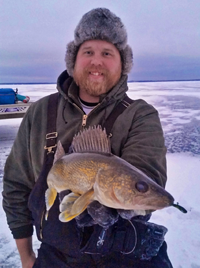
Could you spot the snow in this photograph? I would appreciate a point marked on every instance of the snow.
(179, 108)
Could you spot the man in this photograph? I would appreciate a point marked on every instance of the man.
(97, 61)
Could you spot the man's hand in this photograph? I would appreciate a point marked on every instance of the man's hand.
(29, 261)
(26, 252)
(96, 213)
(102, 215)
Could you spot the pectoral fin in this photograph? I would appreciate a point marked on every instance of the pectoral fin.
(76, 208)
(50, 196)
(68, 202)
(66, 216)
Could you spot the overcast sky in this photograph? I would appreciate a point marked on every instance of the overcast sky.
(164, 36)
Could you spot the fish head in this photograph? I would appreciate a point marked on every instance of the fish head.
(131, 189)
(145, 195)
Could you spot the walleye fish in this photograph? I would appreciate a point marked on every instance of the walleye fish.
(92, 172)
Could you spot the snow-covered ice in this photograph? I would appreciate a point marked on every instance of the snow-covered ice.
(178, 104)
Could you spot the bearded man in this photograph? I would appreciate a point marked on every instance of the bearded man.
(92, 86)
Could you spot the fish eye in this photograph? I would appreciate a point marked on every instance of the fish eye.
(142, 187)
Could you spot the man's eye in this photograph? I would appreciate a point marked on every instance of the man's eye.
(88, 52)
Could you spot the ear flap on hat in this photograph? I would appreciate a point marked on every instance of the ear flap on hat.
(127, 59)
(70, 57)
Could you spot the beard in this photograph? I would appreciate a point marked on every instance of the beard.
(92, 87)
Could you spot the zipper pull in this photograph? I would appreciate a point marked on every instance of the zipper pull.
(84, 120)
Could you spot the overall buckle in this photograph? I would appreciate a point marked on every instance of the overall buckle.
(51, 143)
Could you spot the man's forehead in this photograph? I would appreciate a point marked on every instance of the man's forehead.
(102, 44)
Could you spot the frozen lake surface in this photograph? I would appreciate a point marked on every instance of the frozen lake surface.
(178, 104)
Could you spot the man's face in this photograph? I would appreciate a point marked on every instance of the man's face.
(97, 68)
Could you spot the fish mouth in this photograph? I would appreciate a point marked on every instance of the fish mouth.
(152, 202)
(162, 199)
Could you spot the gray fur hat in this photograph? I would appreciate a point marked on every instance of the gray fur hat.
(100, 23)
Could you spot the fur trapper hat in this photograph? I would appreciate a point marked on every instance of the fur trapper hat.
(102, 24)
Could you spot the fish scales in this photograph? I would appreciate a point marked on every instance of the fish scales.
(76, 172)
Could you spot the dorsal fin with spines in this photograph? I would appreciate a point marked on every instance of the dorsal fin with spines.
(93, 139)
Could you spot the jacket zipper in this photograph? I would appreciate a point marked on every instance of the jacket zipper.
(84, 120)
(85, 116)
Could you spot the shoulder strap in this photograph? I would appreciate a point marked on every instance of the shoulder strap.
(121, 106)
(51, 136)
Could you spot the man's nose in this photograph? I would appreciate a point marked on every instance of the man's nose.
(96, 60)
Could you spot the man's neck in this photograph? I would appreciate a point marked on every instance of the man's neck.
(89, 104)
(88, 98)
